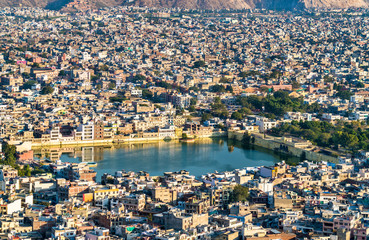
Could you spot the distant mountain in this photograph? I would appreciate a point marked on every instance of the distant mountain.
(69, 5)
(25, 3)
(249, 4)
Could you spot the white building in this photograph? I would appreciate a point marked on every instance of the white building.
(330, 117)
(182, 101)
(265, 123)
(298, 116)
(87, 131)
(167, 132)
(357, 99)
(359, 115)
(98, 234)
(12, 207)
(136, 92)
(265, 186)
(55, 134)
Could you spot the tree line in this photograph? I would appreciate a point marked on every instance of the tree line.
(351, 135)
(277, 104)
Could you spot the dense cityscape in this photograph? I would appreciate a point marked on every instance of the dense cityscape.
(293, 83)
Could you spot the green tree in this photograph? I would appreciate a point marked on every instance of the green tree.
(104, 68)
(26, 75)
(111, 86)
(245, 111)
(35, 65)
(243, 74)
(29, 84)
(193, 101)
(344, 94)
(62, 73)
(191, 108)
(47, 90)
(138, 78)
(10, 155)
(237, 116)
(25, 171)
(199, 64)
(119, 98)
(147, 94)
(218, 108)
(218, 88)
(239, 194)
(194, 88)
(360, 85)
(206, 116)
(295, 84)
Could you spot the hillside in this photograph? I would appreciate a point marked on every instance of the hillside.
(240, 4)
(189, 4)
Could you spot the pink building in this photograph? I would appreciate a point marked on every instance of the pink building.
(360, 233)
(346, 222)
(98, 234)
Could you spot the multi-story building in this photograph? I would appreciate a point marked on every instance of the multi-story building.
(265, 123)
(164, 195)
(134, 203)
(87, 131)
(98, 233)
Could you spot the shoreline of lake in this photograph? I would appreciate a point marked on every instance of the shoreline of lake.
(200, 157)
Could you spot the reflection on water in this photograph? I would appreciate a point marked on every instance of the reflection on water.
(201, 157)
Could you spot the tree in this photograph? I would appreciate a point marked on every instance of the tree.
(229, 88)
(35, 65)
(29, 84)
(193, 101)
(264, 89)
(94, 77)
(295, 84)
(194, 88)
(237, 116)
(206, 116)
(243, 74)
(26, 75)
(25, 171)
(191, 108)
(218, 88)
(147, 94)
(344, 94)
(199, 64)
(239, 194)
(9, 152)
(47, 90)
(62, 73)
(111, 85)
(328, 79)
(118, 98)
(245, 111)
(104, 67)
(219, 109)
(360, 85)
(138, 78)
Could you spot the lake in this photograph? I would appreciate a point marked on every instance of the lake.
(201, 157)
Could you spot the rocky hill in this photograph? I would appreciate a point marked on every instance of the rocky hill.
(240, 4)
(190, 4)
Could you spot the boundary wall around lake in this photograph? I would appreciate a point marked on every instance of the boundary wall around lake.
(294, 147)
(123, 140)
